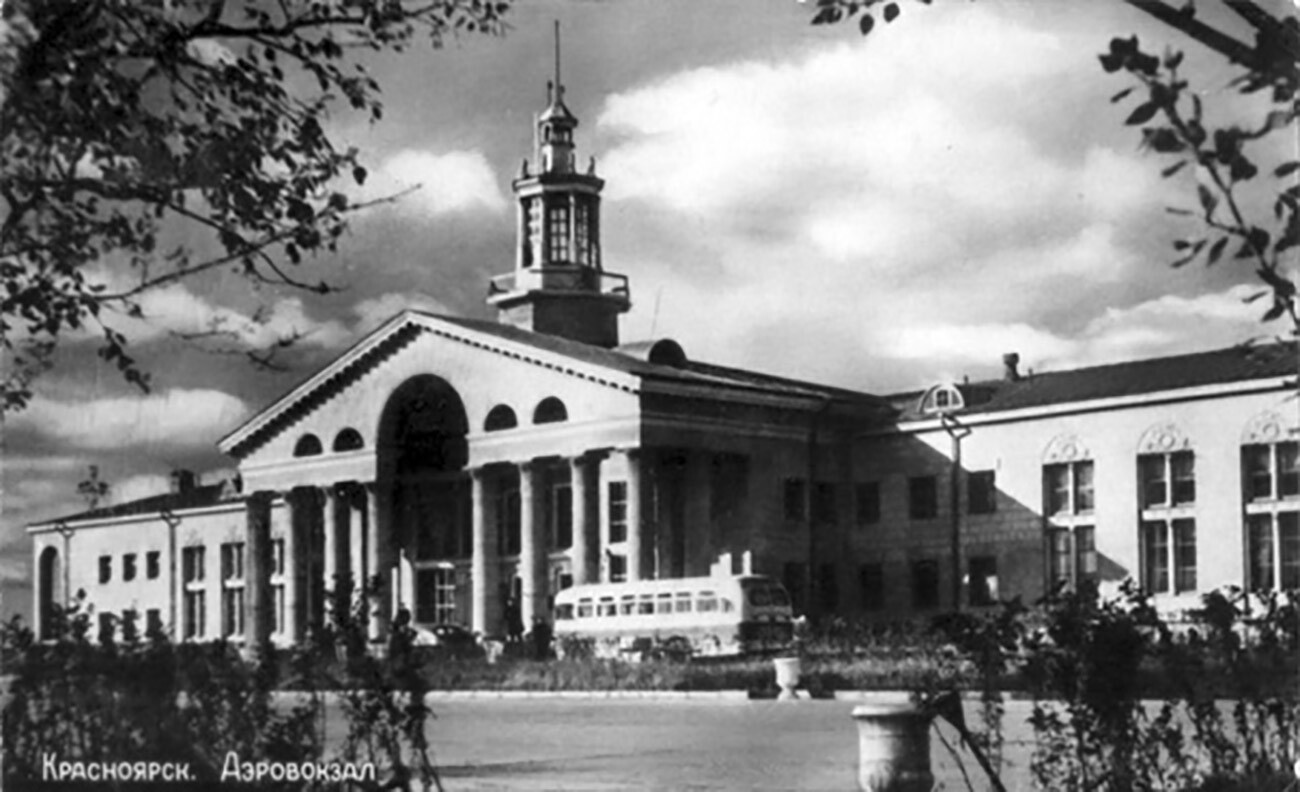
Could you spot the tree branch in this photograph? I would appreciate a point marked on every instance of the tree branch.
(1220, 42)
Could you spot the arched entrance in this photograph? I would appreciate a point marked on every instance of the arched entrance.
(421, 456)
(49, 574)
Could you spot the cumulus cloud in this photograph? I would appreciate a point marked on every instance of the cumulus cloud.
(1166, 325)
(925, 208)
(455, 181)
(175, 419)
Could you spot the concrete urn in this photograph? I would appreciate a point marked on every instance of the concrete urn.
(893, 748)
(787, 676)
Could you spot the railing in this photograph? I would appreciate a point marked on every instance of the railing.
(570, 278)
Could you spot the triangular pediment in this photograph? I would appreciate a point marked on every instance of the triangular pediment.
(592, 364)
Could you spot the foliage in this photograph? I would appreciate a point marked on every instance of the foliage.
(1225, 161)
(141, 698)
(1125, 699)
(128, 124)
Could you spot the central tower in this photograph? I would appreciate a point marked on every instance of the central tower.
(558, 286)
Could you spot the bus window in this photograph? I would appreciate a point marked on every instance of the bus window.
(727, 606)
(707, 603)
(683, 602)
(564, 612)
(665, 603)
(605, 607)
(646, 604)
(584, 608)
(758, 597)
(779, 597)
(627, 605)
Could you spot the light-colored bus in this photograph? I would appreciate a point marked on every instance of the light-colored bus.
(705, 616)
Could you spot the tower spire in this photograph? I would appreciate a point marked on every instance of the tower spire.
(559, 86)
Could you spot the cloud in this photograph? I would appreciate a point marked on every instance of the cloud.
(1168, 325)
(455, 181)
(921, 208)
(175, 419)
(374, 312)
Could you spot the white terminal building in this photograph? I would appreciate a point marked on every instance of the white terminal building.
(446, 465)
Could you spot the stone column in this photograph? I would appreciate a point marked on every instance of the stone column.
(636, 569)
(356, 534)
(257, 573)
(329, 515)
(485, 564)
(376, 567)
(293, 511)
(586, 516)
(532, 545)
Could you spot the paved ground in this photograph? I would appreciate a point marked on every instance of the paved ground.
(567, 744)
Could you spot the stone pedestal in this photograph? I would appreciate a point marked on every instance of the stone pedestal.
(893, 747)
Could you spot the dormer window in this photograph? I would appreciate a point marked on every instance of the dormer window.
(942, 399)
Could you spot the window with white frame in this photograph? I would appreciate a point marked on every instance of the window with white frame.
(193, 606)
(232, 589)
(1068, 505)
(1167, 530)
(1271, 482)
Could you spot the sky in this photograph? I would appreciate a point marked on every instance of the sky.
(880, 213)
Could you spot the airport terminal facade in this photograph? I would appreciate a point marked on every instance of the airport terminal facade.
(447, 466)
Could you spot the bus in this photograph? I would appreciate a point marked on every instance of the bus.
(702, 617)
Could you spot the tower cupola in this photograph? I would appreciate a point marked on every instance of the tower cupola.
(559, 286)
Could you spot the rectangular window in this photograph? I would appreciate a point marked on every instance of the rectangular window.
(1183, 468)
(194, 615)
(1259, 538)
(983, 580)
(1153, 473)
(1056, 486)
(105, 569)
(871, 581)
(1288, 470)
(232, 589)
(824, 506)
(867, 496)
(435, 595)
(982, 492)
(1155, 554)
(558, 233)
(1083, 492)
(1288, 526)
(1257, 471)
(1085, 553)
(1184, 555)
(562, 516)
(792, 577)
(925, 584)
(923, 497)
(128, 566)
(617, 511)
(1060, 557)
(153, 622)
(192, 565)
(729, 485)
(793, 499)
(828, 589)
(151, 564)
(106, 627)
(509, 527)
(617, 568)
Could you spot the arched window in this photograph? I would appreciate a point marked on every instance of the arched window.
(308, 445)
(348, 440)
(941, 399)
(550, 410)
(499, 418)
